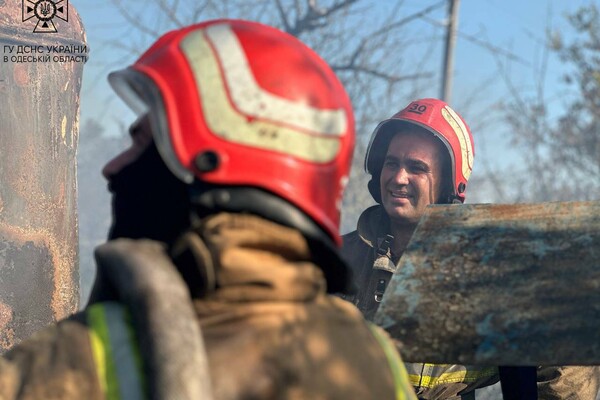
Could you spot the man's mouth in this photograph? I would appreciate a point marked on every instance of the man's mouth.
(399, 194)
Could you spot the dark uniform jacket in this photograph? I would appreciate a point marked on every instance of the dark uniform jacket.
(367, 251)
(268, 330)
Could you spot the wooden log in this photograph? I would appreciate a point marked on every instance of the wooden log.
(499, 285)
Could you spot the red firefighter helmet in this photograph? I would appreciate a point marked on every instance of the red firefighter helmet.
(238, 103)
(442, 121)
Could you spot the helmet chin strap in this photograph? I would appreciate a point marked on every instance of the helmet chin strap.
(375, 189)
(453, 199)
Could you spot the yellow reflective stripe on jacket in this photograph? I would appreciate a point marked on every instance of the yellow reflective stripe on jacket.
(403, 387)
(431, 375)
(115, 352)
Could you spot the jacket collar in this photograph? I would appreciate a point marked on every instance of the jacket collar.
(259, 260)
(373, 224)
(374, 229)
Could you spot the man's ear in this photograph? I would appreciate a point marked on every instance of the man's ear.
(375, 188)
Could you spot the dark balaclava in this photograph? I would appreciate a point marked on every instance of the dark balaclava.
(148, 200)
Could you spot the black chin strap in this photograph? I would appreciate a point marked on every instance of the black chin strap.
(374, 188)
(453, 199)
(195, 263)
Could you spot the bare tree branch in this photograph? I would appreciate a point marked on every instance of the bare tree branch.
(378, 74)
(486, 45)
(282, 16)
(421, 14)
(317, 18)
(171, 12)
(132, 20)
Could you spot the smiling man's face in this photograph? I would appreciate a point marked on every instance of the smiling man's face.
(411, 176)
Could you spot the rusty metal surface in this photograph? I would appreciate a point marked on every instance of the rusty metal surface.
(499, 285)
(39, 124)
(14, 30)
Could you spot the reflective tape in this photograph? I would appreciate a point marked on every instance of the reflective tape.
(404, 390)
(432, 375)
(115, 352)
(274, 123)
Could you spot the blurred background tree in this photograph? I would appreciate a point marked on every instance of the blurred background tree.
(561, 150)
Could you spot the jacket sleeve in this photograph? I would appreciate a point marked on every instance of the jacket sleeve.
(449, 381)
(568, 383)
(55, 363)
(438, 382)
(8, 380)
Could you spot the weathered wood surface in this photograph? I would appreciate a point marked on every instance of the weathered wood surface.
(499, 285)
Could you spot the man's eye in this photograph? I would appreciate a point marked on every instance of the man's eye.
(419, 168)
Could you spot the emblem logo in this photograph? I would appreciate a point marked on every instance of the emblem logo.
(45, 11)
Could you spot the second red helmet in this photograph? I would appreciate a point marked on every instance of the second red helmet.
(443, 122)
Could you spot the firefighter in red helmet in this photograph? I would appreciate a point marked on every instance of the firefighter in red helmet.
(420, 156)
(224, 238)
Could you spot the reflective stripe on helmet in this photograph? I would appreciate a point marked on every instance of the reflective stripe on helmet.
(402, 384)
(115, 352)
(466, 146)
(237, 109)
(249, 98)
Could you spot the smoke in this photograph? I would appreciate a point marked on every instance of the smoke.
(96, 147)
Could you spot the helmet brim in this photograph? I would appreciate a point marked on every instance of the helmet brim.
(140, 93)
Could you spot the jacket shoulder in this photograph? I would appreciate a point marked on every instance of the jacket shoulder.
(55, 362)
(76, 358)
(350, 240)
(352, 246)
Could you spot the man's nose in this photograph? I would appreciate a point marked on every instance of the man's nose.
(401, 176)
(119, 162)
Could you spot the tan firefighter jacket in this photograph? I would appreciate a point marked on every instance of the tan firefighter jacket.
(267, 330)
(367, 250)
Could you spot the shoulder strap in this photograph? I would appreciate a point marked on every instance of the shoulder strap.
(140, 275)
